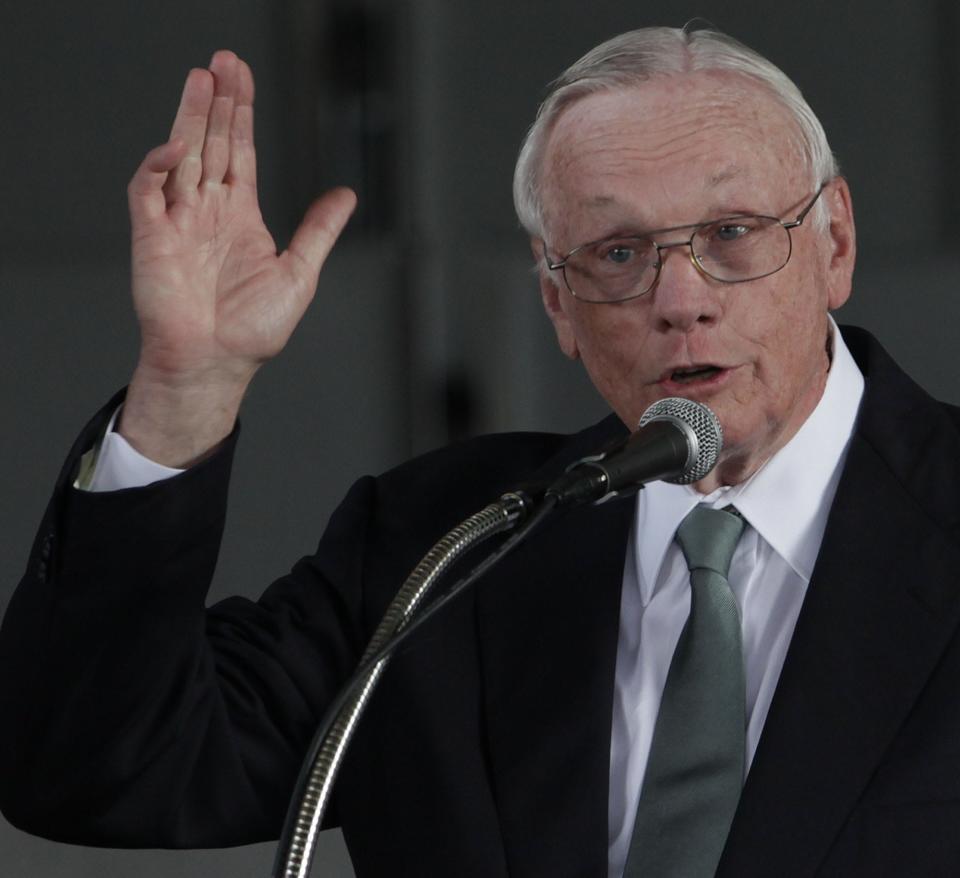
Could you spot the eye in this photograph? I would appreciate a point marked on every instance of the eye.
(621, 251)
(619, 254)
(730, 231)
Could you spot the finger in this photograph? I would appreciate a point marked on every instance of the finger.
(145, 192)
(318, 232)
(216, 145)
(243, 158)
(190, 125)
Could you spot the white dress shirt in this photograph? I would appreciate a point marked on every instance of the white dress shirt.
(118, 465)
(785, 505)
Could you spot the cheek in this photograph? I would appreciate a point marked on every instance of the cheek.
(612, 334)
(791, 359)
(788, 328)
(614, 350)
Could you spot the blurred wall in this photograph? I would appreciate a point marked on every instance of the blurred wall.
(427, 322)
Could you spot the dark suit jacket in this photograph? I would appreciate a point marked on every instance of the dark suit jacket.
(132, 717)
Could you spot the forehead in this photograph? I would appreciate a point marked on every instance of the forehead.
(671, 151)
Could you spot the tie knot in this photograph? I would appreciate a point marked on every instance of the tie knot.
(708, 538)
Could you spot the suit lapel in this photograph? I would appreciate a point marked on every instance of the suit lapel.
(548, 628)
(880, 608)
(879, 611)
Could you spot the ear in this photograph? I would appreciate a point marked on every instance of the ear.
(842, 242)
(555, 302)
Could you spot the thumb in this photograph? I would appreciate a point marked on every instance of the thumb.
(319, 230)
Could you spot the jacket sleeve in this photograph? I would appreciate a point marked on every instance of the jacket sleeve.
(134, 716)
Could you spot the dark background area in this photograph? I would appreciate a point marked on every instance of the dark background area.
(427, 324)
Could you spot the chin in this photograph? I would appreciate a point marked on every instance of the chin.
(740, 436)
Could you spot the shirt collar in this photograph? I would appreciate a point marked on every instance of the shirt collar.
(787, 500)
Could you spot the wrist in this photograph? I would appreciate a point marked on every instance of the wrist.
(179, 419)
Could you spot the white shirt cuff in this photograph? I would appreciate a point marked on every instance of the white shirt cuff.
(119, 465)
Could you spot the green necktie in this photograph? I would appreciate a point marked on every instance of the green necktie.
(696, 765)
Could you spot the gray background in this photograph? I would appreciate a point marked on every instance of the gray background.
(427, 324)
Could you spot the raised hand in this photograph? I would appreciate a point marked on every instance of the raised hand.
(213, 297)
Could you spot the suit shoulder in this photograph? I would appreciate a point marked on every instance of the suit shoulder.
(478, 470)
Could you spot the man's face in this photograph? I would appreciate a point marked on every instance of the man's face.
(682, 150)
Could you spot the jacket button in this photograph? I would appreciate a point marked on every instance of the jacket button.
(46, 552)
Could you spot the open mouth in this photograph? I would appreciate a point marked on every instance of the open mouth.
(700, 373)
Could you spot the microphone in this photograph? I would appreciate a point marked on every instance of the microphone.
(677, 440)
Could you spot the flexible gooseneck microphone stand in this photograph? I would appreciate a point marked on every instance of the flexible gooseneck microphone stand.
(295, 851)
(677, 440)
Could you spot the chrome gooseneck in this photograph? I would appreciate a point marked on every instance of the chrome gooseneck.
(312, 797)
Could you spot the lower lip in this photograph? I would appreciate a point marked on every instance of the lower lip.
(705, 386)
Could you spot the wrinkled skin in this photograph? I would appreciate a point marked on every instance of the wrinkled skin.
(686, 149)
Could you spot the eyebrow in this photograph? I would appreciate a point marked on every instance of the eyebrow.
(601, 200)
(713, 181)
(724, 176)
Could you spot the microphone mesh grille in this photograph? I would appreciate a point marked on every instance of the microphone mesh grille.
(705, 426)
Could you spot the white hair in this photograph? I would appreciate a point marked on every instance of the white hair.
(637, 56)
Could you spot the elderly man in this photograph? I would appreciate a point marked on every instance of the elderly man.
(570, 716)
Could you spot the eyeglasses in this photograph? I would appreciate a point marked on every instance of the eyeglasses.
(731, 250)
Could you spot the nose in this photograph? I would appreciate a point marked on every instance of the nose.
(683, 295)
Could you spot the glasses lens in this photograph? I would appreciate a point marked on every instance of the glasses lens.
(742, 248)
(612, 270)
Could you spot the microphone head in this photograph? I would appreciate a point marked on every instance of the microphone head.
(701, 428)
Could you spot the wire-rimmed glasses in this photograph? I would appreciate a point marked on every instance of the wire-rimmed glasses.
(731, 249)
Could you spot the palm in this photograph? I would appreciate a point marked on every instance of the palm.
(208, 282)
(209, 287)
(213, 296)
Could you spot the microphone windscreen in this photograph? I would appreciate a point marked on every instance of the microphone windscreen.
(703, 430)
